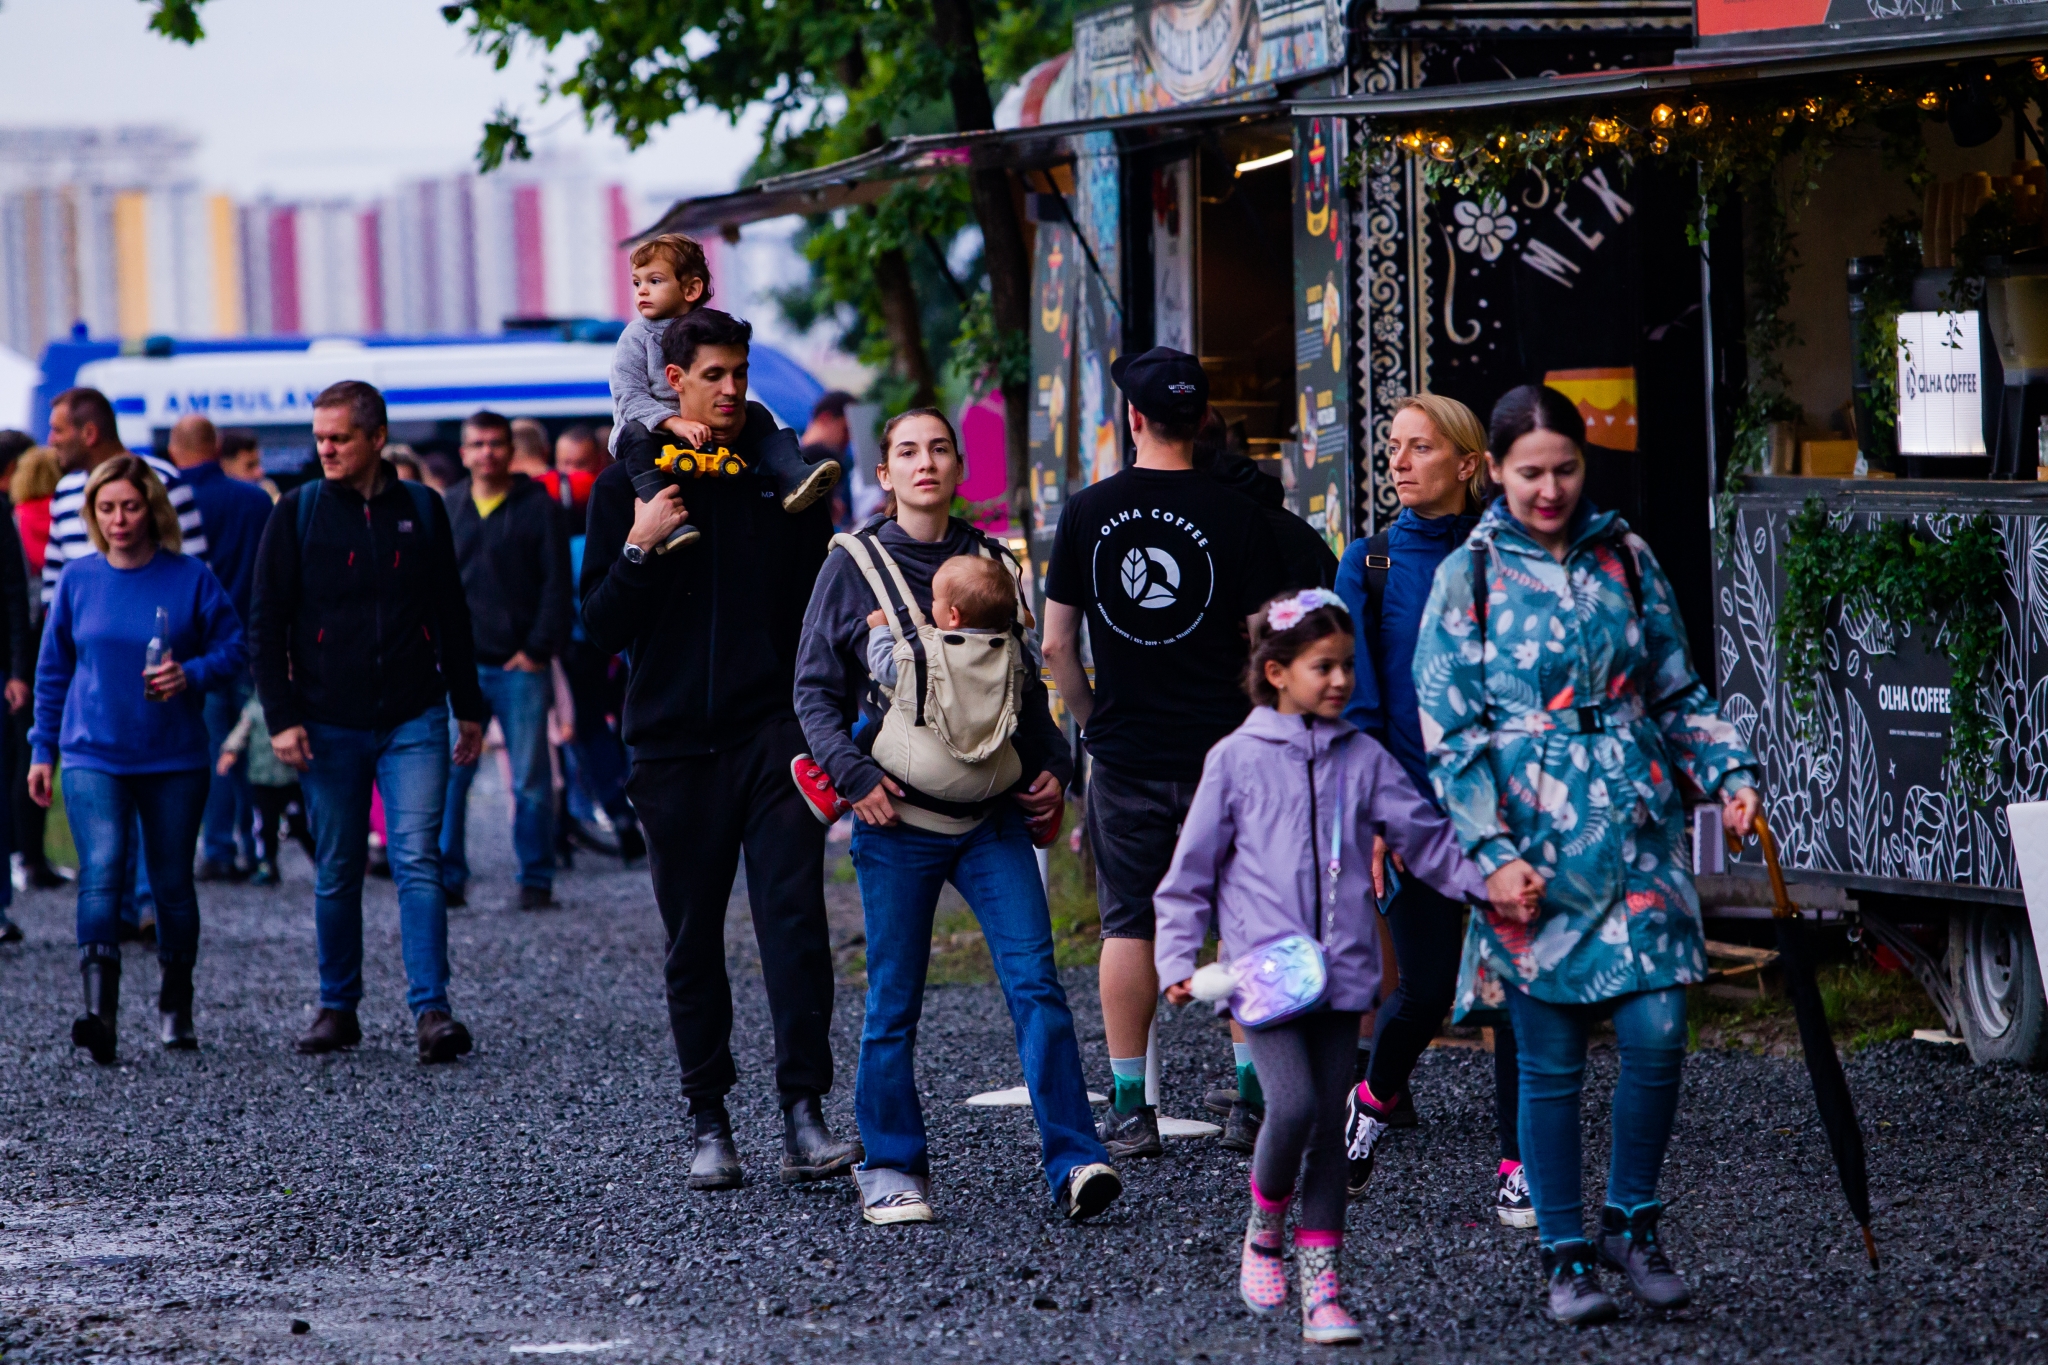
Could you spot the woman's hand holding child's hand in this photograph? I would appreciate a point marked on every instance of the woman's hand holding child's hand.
(1515, 889)
(1180, 992)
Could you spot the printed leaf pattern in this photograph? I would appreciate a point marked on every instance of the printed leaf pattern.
(1863, 808)
(1601, 814)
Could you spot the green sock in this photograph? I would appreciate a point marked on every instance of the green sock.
(1248, 1086)
(1128, 1093)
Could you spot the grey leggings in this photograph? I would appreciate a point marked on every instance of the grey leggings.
(1305, 1068)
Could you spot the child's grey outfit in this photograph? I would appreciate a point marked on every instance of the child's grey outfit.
(640, 391)
(882, 651)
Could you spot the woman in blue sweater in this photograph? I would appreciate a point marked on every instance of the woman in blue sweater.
(1437, 456)
(133, 738)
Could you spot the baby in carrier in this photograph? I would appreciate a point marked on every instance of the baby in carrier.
(952, 683)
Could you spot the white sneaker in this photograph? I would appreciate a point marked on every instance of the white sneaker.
(1511, 1199)
(899, 1206)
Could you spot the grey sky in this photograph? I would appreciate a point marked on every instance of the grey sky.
(308, 97)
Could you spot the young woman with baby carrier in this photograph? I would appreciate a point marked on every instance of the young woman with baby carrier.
(916, 631)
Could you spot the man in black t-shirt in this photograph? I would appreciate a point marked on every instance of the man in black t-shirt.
(1167, 565)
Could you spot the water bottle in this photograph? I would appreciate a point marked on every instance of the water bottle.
(158, 651)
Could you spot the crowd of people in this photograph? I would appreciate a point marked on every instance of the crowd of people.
(1447, 773)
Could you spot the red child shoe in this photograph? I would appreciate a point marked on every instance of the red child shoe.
(816, 785)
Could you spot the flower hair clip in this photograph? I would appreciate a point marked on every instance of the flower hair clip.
(1286, 613)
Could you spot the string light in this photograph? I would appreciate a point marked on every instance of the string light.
(1787, 114)
(1699, 116)
(2039, 66)
(1412, 141)
(1444, 149)
(1813, 106)
(1604, 130)
(1663, 116)
(1660, 144)
(1931, 101)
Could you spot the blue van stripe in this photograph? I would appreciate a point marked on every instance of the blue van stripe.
(500, 393)
(131, 407)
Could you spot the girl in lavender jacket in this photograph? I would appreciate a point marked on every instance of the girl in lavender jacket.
(1278, 843)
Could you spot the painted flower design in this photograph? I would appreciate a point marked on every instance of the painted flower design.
(1484, 226)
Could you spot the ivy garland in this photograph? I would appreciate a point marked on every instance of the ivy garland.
(1950, 587)
(1887, 294)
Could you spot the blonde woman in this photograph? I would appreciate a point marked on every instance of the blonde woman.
(1436, 455)
(132, 737)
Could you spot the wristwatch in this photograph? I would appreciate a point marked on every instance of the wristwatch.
(633, 554)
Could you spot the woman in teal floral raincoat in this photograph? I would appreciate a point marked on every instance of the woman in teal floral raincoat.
(1565, 724)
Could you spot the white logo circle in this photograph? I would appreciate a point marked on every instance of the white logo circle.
(1139, 582)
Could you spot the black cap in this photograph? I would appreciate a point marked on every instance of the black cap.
(1164, 384)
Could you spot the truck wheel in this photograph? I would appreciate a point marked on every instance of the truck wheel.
(1998, 992)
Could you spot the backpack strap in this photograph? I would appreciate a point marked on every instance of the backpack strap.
(1631, 569)
(422, 502)
(864, 548)
(1480, 592)
(308, 500)
(1377, 563)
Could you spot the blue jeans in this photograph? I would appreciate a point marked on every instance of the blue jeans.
(409, 765)
(901, 872)
(228, 805)
(1650, 1027)
(520, 701)
(105, 809)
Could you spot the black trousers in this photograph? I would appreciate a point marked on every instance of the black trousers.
(699, 815)
(1429, 941)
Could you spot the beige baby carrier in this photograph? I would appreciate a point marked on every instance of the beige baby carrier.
(945, 736)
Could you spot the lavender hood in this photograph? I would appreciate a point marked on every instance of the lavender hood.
(1254, 857)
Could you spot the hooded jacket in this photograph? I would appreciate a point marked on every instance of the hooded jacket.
(1254, 858)
(709, 630)
(1561, 735)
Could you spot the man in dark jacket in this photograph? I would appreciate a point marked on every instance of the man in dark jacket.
(515, 572)
(711, 630)
(362, 645)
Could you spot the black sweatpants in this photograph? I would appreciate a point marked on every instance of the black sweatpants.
(699, 814)
(1429, 942)
(1304, 1067)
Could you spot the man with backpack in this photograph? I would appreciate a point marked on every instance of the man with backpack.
(1168, 567)
(361, 637)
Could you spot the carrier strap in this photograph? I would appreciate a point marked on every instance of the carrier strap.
(863, 548)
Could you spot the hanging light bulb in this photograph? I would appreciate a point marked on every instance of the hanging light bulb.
(2039, 66)
(1813, 106)
(1604, 130)
(1931, 101)
(1787, 113)
(1412, 141)
(1660, 144)
(1501, 142)
(1699, 116)
(1663, 116)
(1444, 148)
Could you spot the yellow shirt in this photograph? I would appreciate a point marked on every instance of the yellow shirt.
(485, 506)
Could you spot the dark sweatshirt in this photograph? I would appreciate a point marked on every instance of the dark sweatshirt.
(515, 572)
(832, 683)
(1309, 560)
(366, 626)
(709, 630)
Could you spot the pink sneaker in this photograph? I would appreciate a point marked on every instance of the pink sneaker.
(816, 785)
(1323, 1319)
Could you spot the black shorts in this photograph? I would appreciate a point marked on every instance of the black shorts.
(1133, 825)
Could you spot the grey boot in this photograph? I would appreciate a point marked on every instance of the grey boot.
(1629, 1243)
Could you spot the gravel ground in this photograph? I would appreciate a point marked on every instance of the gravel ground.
(244, 1203)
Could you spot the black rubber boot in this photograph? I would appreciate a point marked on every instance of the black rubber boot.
(798, 482)
(715, 1161)
(1629, 1243)
(1576, 1298)
(95, 1030)
(809, 1151)
(174, 1007)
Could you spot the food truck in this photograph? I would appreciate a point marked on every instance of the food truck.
(1789, 258)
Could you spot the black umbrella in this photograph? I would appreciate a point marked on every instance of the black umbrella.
(1830, 1087)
